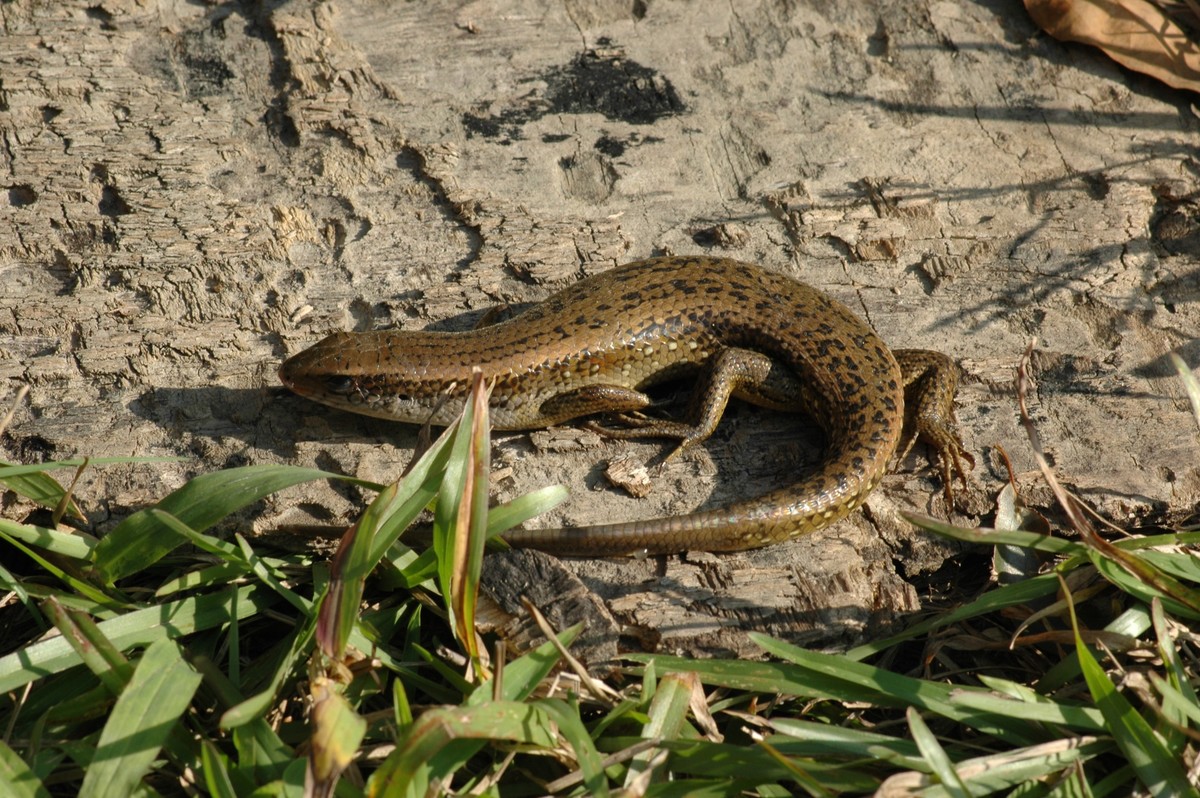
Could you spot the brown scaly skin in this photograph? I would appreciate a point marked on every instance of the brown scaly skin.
(593, 347)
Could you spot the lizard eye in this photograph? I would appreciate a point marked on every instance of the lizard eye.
(342, 386)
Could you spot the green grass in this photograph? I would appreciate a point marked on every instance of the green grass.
(171, 657)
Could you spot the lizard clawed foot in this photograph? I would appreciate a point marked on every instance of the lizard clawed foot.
(931, 381)
(629, 426)
(949, 454)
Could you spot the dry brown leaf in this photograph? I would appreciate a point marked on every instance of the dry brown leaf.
(1134, 33)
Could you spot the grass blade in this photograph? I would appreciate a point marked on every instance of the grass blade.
(366, 543)
(1156, 767)
(1015, 594)
(142, 539)
(504, 517)
(145, 713)
(16, 779)
(409, 769)
(570, 725)
(471, 522)
(337, 732)
(995, 537)
(97, 652)
(215, 770)
(32, 481)
(140, 627)
(82, 588)
(939, 762)
(523, 675)
(78, 545)
(667, 718)
(878, 685)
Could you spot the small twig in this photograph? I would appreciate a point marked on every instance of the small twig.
(12, 411)
(67, 502)
(499, 656)
(425, 432)
(600, 690)
(1068, 503)
(624, 755)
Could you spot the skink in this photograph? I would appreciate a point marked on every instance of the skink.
(594, 347)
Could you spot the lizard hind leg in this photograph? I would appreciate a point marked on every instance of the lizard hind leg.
(731, 372)
(930, 384)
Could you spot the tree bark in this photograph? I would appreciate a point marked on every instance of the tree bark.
(194, 191)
